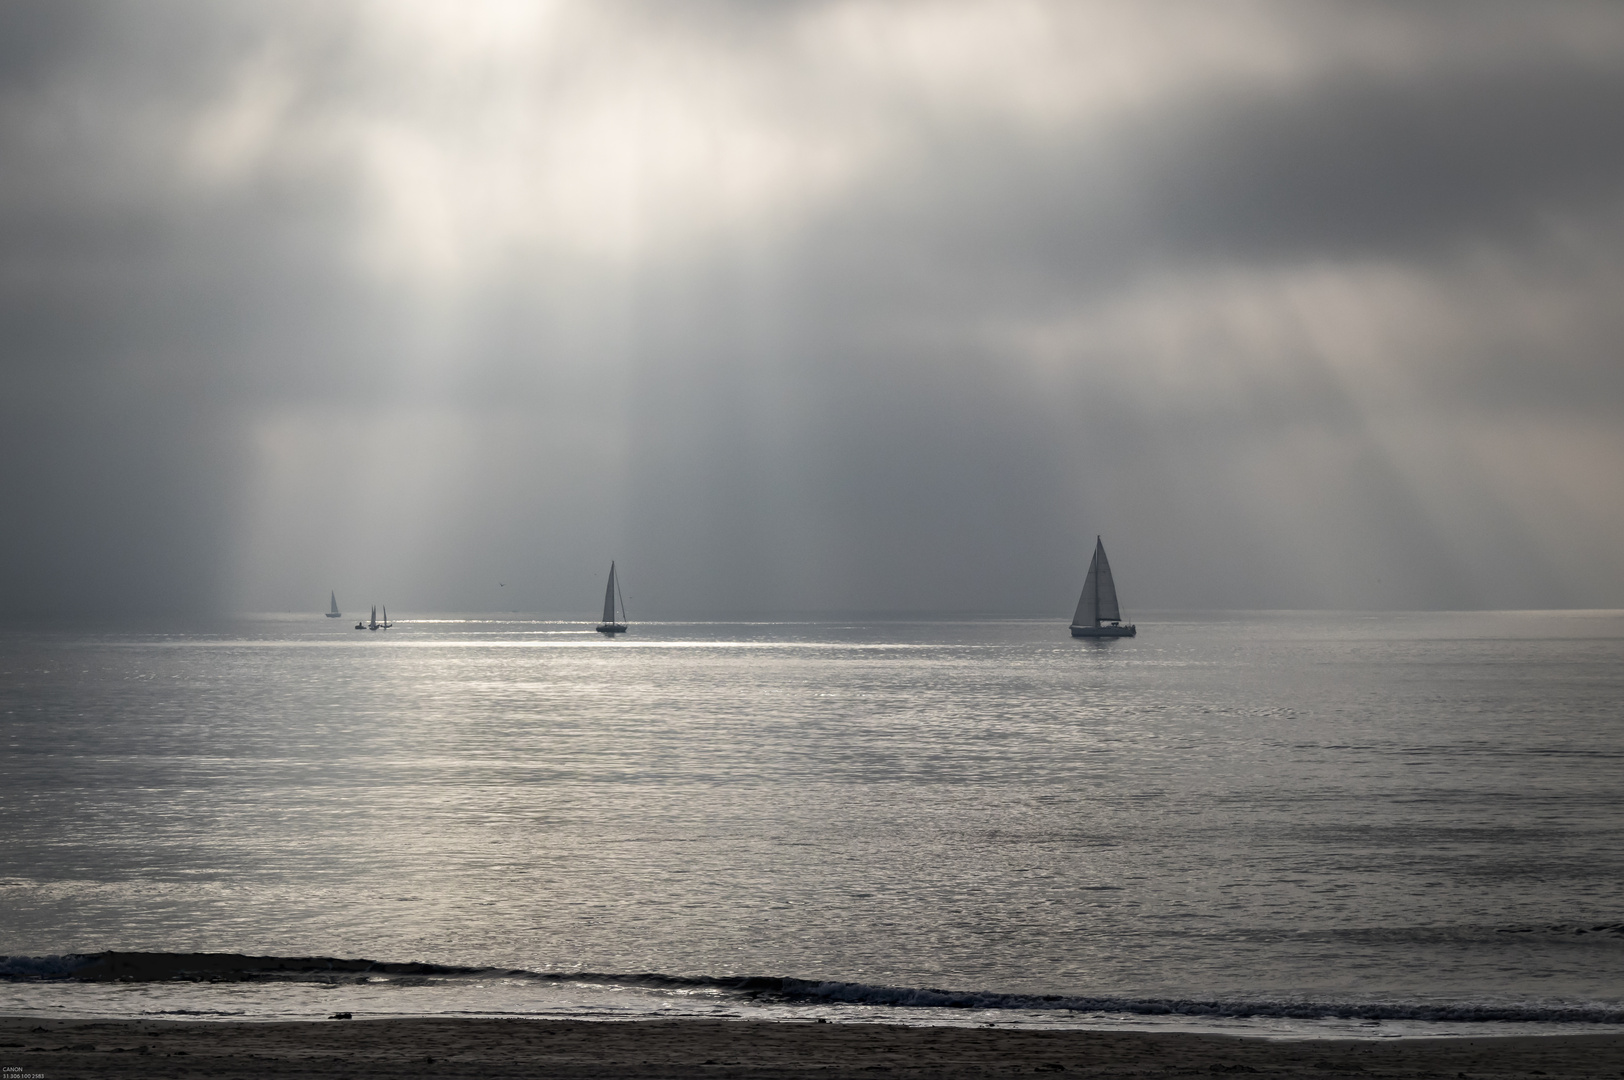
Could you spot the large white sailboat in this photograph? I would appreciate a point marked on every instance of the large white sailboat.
(610, 627)
(1098, 614)
(332, 607)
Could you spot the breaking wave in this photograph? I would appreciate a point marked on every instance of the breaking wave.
(777, 990)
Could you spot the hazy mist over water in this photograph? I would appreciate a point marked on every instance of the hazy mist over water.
(1409, 816)
(809, 307)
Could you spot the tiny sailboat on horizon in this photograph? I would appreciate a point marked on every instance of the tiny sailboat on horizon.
(1098, 614)
(332, 607)
(609, 627)
(373, 623)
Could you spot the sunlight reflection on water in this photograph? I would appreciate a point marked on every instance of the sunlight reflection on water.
(1280, 804)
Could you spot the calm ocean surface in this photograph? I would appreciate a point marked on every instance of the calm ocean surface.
(1410, 822)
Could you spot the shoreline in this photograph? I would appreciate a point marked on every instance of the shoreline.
(738, 1049)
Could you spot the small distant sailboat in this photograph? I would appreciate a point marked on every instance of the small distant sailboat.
(374, 624)
(386, 624)
(610, 627)
(332, 609)
(1098, 605)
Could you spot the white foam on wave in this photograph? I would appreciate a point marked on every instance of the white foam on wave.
(269, 988)
(526, 997)
(1608, 1013)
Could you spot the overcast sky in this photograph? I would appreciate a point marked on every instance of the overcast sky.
(802, 307)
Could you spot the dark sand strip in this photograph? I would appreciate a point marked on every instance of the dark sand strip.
(58, 1049)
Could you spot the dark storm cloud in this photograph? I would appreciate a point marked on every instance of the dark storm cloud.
(36, 34)
(1356, 168)
(134, 315)
(1320, 301)
(1410, 169)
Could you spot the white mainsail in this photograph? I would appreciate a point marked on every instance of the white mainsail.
(332, 607)
(1099, 600)
(609, 598)
(1108, 609)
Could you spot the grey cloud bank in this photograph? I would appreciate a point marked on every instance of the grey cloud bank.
(823, 307)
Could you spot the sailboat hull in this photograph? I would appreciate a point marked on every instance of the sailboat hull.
(611, 629)
(1104, 631)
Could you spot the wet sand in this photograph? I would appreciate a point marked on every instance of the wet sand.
(57, 1049)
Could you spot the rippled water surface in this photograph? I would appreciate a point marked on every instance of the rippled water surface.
(1415, 808)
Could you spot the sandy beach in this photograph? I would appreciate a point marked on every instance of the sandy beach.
(31, 1048)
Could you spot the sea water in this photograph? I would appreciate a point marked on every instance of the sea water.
(1280, 822)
